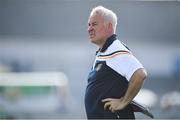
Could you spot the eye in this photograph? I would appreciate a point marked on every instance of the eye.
(94, 24)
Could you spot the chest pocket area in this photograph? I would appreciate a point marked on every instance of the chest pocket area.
(101, 69)
(99, 72)
(100, 66)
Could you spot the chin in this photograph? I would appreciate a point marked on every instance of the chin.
(92, 40)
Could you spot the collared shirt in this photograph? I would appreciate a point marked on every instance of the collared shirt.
(112, 69)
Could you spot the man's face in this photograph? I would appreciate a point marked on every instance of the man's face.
(97, 29)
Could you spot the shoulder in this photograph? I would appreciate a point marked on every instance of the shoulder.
(117, 45)
(116, 49)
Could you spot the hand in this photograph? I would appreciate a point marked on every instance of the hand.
(114, 104)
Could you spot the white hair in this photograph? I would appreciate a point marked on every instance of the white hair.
(108, 15)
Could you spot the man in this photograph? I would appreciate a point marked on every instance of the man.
(116, 76)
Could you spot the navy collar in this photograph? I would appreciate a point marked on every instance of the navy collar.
(108, 42)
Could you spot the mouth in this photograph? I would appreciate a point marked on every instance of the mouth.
(91, 34)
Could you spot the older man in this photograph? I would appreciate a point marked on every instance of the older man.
(116, 75)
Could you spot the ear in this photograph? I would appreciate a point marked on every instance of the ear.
(109, 28)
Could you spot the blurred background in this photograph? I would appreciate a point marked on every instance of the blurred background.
(40, 37)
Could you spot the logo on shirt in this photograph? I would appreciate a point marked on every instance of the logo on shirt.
(98, 67)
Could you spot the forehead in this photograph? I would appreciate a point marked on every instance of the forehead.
(95, 18)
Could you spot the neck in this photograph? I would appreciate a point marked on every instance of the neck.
(102, 44)
(103, 41)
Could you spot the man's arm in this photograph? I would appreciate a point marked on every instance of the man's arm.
(134, 86)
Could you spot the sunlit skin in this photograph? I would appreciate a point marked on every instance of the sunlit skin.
(98, 30)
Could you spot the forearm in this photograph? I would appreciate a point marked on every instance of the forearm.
(134, 86)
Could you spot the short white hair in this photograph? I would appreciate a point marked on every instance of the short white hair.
(108, 15)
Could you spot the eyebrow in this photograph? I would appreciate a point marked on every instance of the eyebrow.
(92, 23)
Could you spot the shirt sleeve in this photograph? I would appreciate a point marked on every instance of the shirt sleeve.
(125, 64)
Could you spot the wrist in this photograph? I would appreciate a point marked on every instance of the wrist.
(125, 101)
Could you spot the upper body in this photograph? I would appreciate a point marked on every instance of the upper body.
(116, 76)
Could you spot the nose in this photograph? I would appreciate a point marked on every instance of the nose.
(89, 28)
